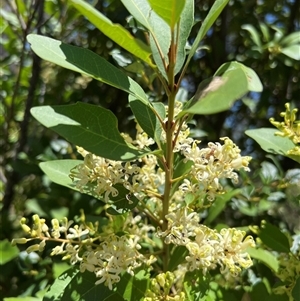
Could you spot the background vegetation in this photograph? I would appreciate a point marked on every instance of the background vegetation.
(247, 31)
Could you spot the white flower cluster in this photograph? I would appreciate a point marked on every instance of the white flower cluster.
(208, 248)
(111, 258)
(210, 164)
(144, 177)
(106, 256)
(99, 176)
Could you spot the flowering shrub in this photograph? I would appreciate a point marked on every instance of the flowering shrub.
(156, 187)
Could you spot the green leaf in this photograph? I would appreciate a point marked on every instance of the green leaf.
(293, 38)
(168, 10)
(75, 286)
(196, 285)
(146, 117)
(160, 33)
(89, 126)
(253, 33)
(213, 14)
(273, 238)
(185, 26)
(266, 257)
(270, 143)
(261, 291)
(124, 201)
(8, 252)
(133, 288)
(182, 168)
(268, 173)
(115, 32)
(265, 31)
(84, 61)
(178, 255)
(59, 268)
(292, 51)
(218, 94)
(253, 82)
(219, 205)
(58, 171)
(296, 290)
(22, 299)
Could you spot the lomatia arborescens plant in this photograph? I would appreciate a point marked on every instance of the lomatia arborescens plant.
(155, 187)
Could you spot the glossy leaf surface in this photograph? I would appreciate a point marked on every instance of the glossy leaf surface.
(168, 10)
(84, 61)
(185, 26)
(270, 143)
(266, 257)
(73, 285)
(58, 171)
(160, 32)
(218, 94)
(89, 126)
(115, 32)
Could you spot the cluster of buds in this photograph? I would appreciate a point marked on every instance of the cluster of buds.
(290, 128)
(160, 289)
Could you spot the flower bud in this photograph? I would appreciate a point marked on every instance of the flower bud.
(33, 248)
(42, 245)
(161, 279)
(19, 241)
(26, 229)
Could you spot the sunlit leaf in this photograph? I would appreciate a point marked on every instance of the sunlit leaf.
(218, 94)
(254, 34)
(266, 257)
(22, 299)
(293, 38)
(253, 82)
(160, 33)
(292, 51)
(8, 252)
(75, 286)
(84, 61)
(185, 25)
(168, 10)
(91, 127)
(115, 32)
(58, 171)
(270, 143)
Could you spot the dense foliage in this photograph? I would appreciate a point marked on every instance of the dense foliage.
(260, 35)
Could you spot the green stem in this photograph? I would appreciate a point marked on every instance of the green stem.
(169, 155)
